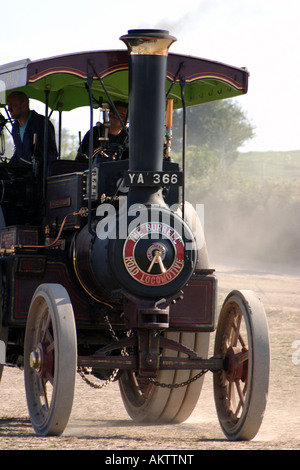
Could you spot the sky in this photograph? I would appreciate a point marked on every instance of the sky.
(262, 35)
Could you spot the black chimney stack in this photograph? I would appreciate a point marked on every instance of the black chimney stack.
(148, 53)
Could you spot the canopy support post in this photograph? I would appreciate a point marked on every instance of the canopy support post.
(90, 81)
(45, 150)
(182, 85)
(59, 134)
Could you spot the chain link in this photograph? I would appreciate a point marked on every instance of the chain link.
(81, 370)
(83, 375)
(178, 385)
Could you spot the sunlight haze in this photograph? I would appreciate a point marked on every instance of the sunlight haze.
(262, 36)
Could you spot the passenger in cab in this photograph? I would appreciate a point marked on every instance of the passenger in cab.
(28, 132)
(115, 148)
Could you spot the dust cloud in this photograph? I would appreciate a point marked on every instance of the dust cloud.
(250, 227)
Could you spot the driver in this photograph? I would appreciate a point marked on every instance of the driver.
(28, 131)
(115, 148)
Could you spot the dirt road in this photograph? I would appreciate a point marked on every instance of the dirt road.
(99, 420)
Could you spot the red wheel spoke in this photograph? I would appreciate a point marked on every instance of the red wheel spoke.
(241, 395)
(236, 328)
(241, 340)
(50, 348)
(45, 328)
(50, 378)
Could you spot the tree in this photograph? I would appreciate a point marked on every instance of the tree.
(222, 126)
(201, 167)
(69, 144)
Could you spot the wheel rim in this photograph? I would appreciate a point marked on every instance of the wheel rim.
(50, 360)
(240, 389)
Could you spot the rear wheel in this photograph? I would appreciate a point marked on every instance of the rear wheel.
(50, 357)
(146, 402)
(241, 389)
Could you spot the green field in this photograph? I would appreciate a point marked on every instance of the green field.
(269, 165)
(252, 210)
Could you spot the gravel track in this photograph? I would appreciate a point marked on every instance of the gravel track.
(100, 422)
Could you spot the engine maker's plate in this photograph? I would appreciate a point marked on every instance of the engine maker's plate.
(153, 253)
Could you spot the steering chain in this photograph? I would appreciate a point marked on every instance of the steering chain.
(115, 371)
(178, 385)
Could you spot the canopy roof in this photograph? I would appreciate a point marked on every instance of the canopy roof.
(65, 78)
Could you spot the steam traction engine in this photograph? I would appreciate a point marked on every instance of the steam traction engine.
(108, 274)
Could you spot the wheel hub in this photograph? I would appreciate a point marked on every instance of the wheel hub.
(35, 360)
(42, 360)
(236, 364)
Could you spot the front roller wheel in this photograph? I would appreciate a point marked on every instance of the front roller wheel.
(50, 359)
(240, 390)
(148, 403)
